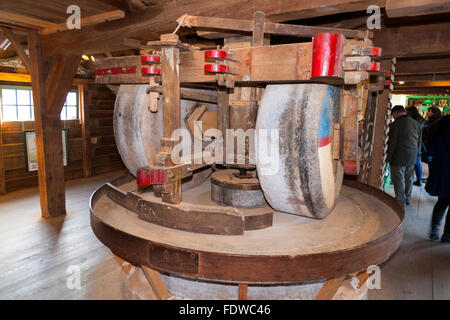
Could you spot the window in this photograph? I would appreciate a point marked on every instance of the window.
(70, 108)
(17, 104)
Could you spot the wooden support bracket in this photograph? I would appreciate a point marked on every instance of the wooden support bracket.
(329, 288)
(19, 48)
(242, 291)
(157, 283)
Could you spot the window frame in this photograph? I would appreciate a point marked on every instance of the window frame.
(63, 110)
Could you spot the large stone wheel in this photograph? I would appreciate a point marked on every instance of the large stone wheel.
(138, 131)
(308, 179)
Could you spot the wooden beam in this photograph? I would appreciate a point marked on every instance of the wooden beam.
(2, 162)
(47, 108)
(23, 20)
(414, 40)
(242, 291)
(161, 18)
(15, 77)
(269, 28)
(95, 19)
(423, 84)
(157, 283)
(60, 79)
(48, 137)
(127, 6)
(329, 288)
(84, 101)
(410, 8)
(428, 65)
(18, 46)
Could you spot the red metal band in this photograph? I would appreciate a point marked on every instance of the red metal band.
(327, 53)
(151, 71)
(216, 54)
(151, 58)
(216, 68)
(109, 71)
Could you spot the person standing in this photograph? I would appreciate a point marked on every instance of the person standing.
(439, 177)
(414, 113)
(405, 138)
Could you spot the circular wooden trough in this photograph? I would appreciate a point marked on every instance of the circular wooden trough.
(364, 229)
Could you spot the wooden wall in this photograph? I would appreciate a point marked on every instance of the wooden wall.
(104, 156)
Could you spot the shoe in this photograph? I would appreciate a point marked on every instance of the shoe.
(445, 239)
(434, 237)
(424, 180)
(417, 183)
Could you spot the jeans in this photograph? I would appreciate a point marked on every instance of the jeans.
(402, 180)
(438, 213)
(418, 169)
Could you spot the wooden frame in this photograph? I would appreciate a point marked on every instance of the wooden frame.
(271, 269)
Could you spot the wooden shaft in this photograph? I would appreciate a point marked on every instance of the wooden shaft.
(2, 162)
(243, 288)
(84, 99)
(223, 114)
(170, 90)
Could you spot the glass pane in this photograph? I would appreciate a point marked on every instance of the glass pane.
(24, 113)
(9, 113)
(23, 97)
(64, 113)
(8, 96)
(32, 113)
(71, 98)
(71, 113)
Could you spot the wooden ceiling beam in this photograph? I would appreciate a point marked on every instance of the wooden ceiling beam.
(411, 8)
(161, 18)
(95, 19)
(20, 20)
(414, 40)
(423, 65)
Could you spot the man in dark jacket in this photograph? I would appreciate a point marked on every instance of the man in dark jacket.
(405, 138)
(438, 183)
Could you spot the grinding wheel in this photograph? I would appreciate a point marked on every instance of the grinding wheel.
(308, 180)
(138, 131)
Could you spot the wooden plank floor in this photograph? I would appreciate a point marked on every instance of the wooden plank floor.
(421, 268)
(35, 253)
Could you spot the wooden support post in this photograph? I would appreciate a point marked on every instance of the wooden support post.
(2, 163)
(170, 58)
(157, 284)
(223, 114)
(84, 101)
(242, 294)
(329, 288)
(257, 41)
(51, 80)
